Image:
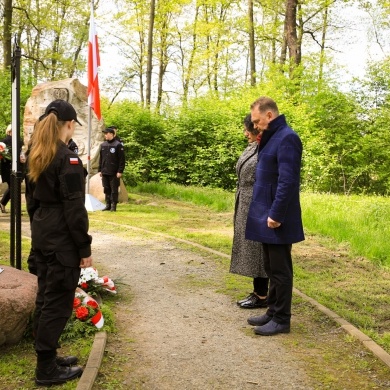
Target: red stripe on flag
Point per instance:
(93, 63)
(98, 319)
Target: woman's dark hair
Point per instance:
(249, 125)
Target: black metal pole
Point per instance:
(16, 173)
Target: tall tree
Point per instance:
(290, 33)
(252, 47)
(52, 36)
(7, 31)
(150, 52)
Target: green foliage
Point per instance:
(199, 143)
(5, 100)
(141, 132)
(75, 328)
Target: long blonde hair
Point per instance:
(43, 145)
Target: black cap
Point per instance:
(109, 130)
(62, 109)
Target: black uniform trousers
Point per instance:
(278, 266)
(7, 195)
(56, 291)
(111, 187)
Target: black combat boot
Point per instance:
(114, 201)
(108, 204)
(48, 372)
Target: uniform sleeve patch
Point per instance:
(73, 160)
(73, 185)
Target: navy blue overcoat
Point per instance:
(276, 187)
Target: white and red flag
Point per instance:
(93, 63)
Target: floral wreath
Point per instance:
(90, 282)
(85, 307)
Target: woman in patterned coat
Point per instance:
(247, 256)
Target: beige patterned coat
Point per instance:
(247, 256)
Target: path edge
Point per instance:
(95, 359)
(367, 341)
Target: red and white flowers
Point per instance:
(5, 151)
(91, 283)
(86, 309)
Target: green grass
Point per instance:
(5, 249)
(216, 199)
(17, 363)
(361, 222)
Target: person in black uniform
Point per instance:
(111, 167)
(6, 165)
(59, 234)
(73, 146)
(116, 133)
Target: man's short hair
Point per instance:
(265, 103)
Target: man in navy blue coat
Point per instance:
(274, 216)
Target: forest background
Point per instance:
(187, 71)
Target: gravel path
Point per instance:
(185, 335)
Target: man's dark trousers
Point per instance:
(111, 187)
(278, 266)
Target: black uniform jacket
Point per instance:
(112, 158)
(60, 223)
(6, 164)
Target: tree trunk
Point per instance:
(323, 40)
(188, 74)
(252, 57)
(150, 52)
(7, 26)
(163, 61)
(290, 31)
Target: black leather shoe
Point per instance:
(254, 302)
(259, 320)
(56, 375)
(107, 208)
(271, 328)
(245, 299)
(2, 207)
(66, 360)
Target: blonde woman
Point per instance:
(59, 232)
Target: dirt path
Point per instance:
(181, 333)
(175, 331)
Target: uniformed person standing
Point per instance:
(73, 146)
(111, 167)
(59, 233)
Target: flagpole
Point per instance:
(91, 203)
(89, 147)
